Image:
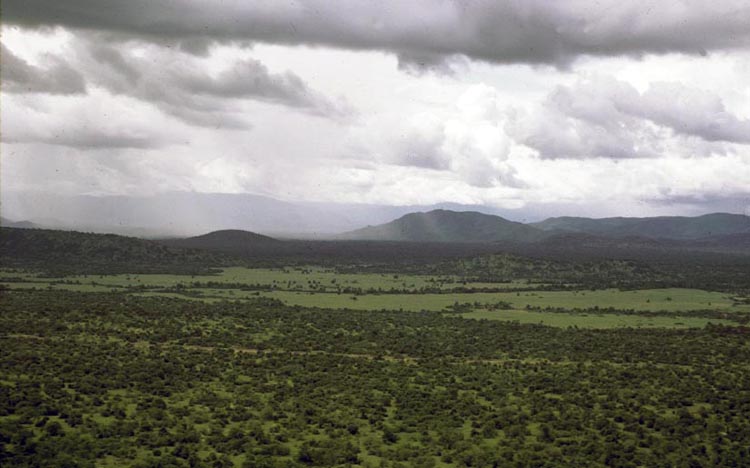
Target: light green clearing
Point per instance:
(672, 300)
(306, 278)
(438, 302)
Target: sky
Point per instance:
(606, 108)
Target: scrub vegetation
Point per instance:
(490, 359)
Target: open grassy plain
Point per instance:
(521, 299)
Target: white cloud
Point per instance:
(603, 117)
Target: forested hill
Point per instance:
(98, 253)
(663, 227)
(229, 240)
(448, 226)
(711, 230)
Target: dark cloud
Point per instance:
(88, 138)
(531, 31)
(420, 63)
(603, 117)
(709, 201)
(97, 140)
(18, 76)
(111, 57)
(178, 84)
(250, 79)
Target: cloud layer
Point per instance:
(183, 87)
(422, 33)
(20, 77)
(604, 117)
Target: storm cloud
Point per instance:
(418, 32)
(177, 83)
(18, 76)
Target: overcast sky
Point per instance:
(608, 107)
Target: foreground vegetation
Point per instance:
(111, 380)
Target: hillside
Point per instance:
(228, 240)
(448, 226)
(71, 251)
(662, 227)
(4, 222)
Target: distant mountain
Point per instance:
(662, 227)
(228, 240)
(448, 226)
(4, 222)
(181, 214)
(188, 214)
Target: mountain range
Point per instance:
(451, 226)
(180, 214)
(447, 226)
(234, 220)
(423, 236)
(662, 227)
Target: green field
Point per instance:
(309, 278)
(642, 300)
(326, 289)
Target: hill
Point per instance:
(71, 251)
(448, 226)
(662, 227)
(5, 222)
(228, 240)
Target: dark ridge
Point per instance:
(663, 227)
(448, 226)
(72, 251)
(228, 240)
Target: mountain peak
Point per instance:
(442, 225)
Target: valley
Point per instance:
(238, 350)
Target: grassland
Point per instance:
(325, 288)
(310, 278)
(672, 300)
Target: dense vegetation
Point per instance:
(63, 252)
(230, 240)
(109, 379)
